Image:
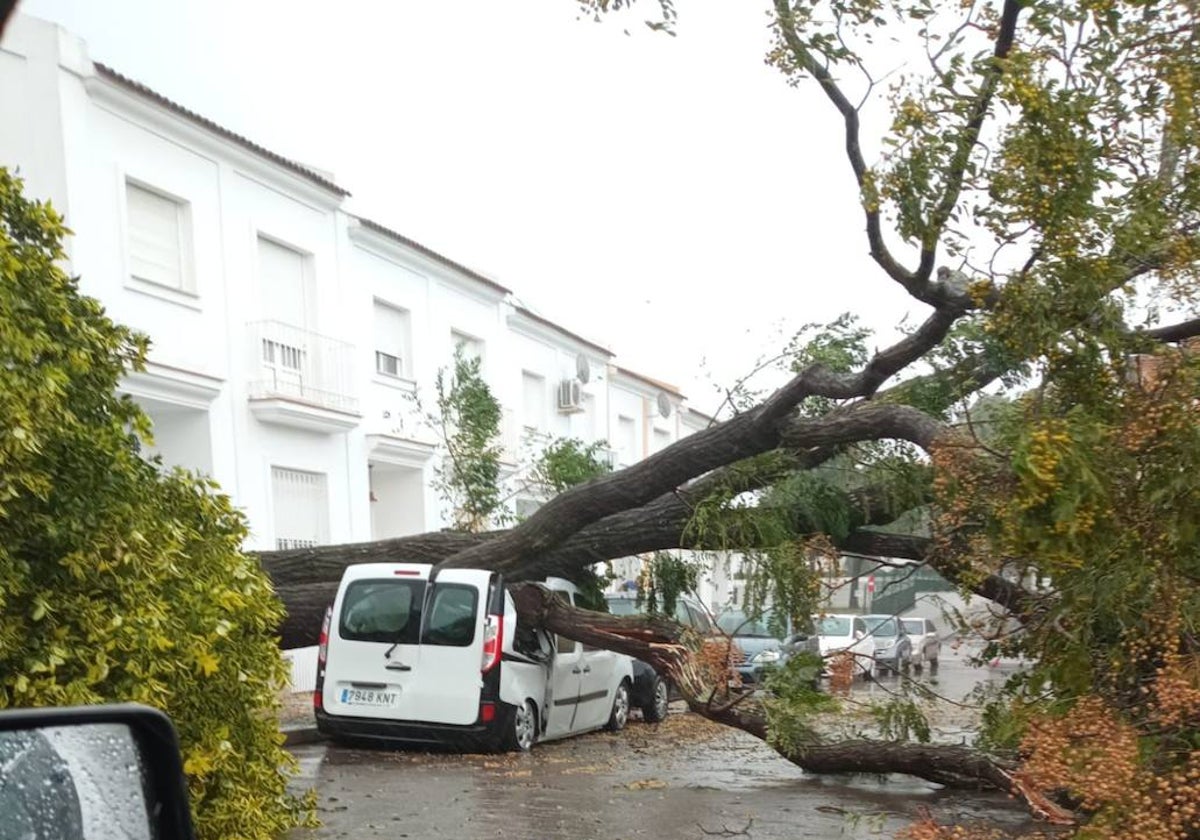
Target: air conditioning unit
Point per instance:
(570, 396)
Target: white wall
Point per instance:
(78, 138)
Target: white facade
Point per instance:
(289, 337)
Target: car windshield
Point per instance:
(832, 625)
(623, 606)
(737, 623)
(882, 626)
(912, 626)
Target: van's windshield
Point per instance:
(389, 611)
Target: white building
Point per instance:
(289, 336)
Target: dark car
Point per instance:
(652, 692)
(764, 643)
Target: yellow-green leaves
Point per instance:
(119, 580)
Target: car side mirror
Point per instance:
(90, 771)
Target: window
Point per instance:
(883, 627)
(301, 508)
(526, 508)
(156, 238)
(662, 439)
(451, 616)
(533, 391)
(382, 611)
(692, 617)
(472, 348)
(833, 625)
(627, 439)
(392, 331)
(564, 644)
(283, 284)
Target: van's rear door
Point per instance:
(403, 649)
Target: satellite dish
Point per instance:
(583, 370)
(664, 405)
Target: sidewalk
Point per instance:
(296, 720)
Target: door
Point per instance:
(402, 649)
(596, 687)
(566, 677)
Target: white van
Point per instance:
(403, 659)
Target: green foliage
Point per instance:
(900, 719)
(793, 700)
(120, 581)
(596, 9)
(667, 576)
(567, 462)
(468, 419)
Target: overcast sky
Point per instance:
(671, 198)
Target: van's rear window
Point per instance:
(451, 615)
(382, 611)
(390, 611)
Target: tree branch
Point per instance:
(965, 143)
(879, 250)
(1174, 332)
(751, 433)
(665, 645)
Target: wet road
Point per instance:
(683, 778)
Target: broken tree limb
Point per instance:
(665, 645)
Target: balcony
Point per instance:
(299, 378)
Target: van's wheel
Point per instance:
(522, 732)
(660, 698)
(620, 708)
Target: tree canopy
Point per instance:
(1037, 189)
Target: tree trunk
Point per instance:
(664, 644)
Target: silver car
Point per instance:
(893, 648)
(927, 644)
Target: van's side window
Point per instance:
(577, 600)
(564, 644)
(382, 611)
(451, 615)
(700, 621)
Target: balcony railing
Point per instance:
(296, 364)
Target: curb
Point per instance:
(303, 734)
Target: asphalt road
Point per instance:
(684, 778)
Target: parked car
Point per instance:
(838, 633)
(893, 648)
(763, 643)
(652, 692)
(927, 644)
(406, 657)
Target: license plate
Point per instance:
(369, 697)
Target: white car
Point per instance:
(927, 644)
(406, 657)
(837, 633)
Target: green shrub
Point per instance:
(120, 581)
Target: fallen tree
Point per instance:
(1049, 159)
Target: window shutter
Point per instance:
(154, 240)
(301, 508)
(391, 339)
